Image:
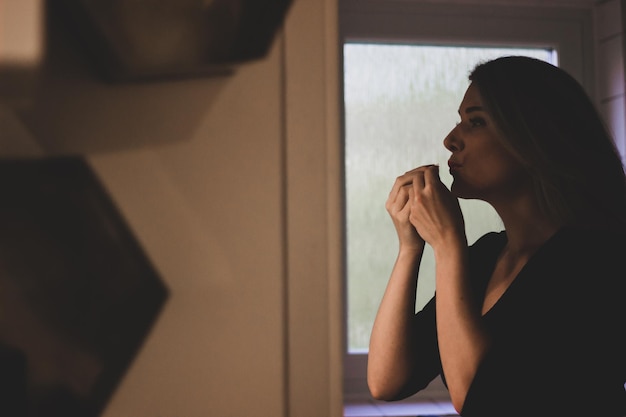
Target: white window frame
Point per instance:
(568, 30)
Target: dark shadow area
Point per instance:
(70, 109)
(148, 40)
(77, 294)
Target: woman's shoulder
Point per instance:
(588, 240)
(489, 241)
(598, 256)
(573, 246)
(484, 252)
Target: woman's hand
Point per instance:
(399, 208)
(434, 212)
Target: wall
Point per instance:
(231, 184)
(242, 219)
(208, 211)
(609, 40)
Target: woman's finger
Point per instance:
(398, 198)
(419, 169)
(418, 180)
(397, 185)
(399, 194)
(431, 175)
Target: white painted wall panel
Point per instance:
(610, 68)
(608, 19)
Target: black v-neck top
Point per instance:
(558, 332)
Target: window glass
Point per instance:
(400, 102)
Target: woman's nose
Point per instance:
(452, 142)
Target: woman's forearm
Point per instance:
(462, 338)
(390, 356)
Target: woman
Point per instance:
(530, 320)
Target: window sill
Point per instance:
(406, 408)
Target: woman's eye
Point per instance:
(477, 121)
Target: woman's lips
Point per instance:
(454, 166)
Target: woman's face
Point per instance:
(480, 165)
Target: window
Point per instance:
(400, 102)
(405, 72)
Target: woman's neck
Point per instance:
(527, 226)
(524, 240)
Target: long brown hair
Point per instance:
(550, 124)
